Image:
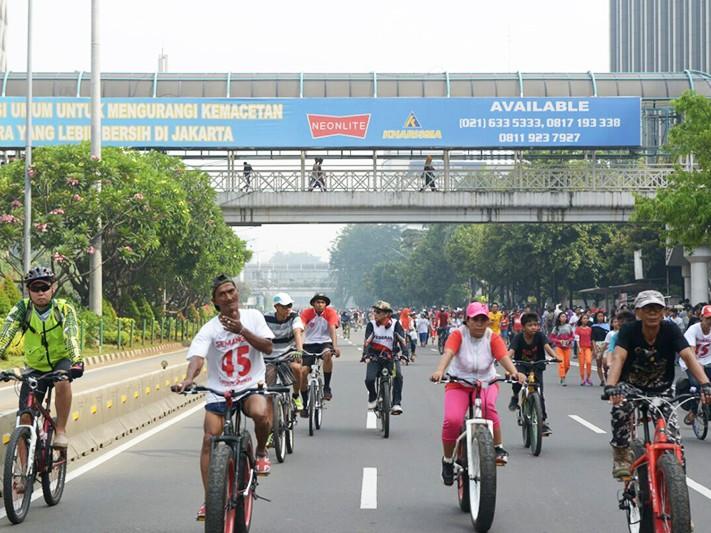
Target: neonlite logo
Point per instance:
(331, 125)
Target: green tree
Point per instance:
(683, 208)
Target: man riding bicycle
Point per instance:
(320, 323)
(232, 343)
(643, 363)
(287, 344)
(531, 345)
(442, 324)
(51, 333)
(381, 337)
(699, 338)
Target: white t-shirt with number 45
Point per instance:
(232, 363)
(700, 343)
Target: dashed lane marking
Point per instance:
(370, 420)
(698, 487)
(590, 426)
(369, 489)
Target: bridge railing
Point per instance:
(582, 177)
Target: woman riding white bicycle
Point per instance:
(472, 349)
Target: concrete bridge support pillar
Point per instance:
(686, 274)
(699, 259)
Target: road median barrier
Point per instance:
(102, 416)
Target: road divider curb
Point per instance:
(129, 354)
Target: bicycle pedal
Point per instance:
(258, 497)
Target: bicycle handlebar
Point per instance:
(447, 378)
(235, 395)
(320, 355)
(53, 376)
(635, 397)
(534, 364)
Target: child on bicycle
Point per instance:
(382, 337)
(531, 345)
(644, 363)
(472, 349)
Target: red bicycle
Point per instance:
(30, 453)
(656, 498)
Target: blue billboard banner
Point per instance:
(224, 123)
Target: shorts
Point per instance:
(308, 360)
(220, 408)
(43, 386)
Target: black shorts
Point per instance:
(219, 407)
(308, 360)
(43, 386)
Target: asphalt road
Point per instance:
(154, 485)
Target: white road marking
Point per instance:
(369, 490)
(370, 420)
(120, 449)
(698, 487)
(591, 427)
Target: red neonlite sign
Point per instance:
(331, 125)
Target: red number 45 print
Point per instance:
(228, 362)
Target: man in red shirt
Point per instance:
(320, 323)
(442, 322)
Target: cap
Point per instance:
(220, 280)
(706, 311)
(648, 298)
(382, 305)
(477, 309)
(320, 296)
(282, 298)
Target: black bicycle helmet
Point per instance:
(39, 273)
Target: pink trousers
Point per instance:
(456, 403)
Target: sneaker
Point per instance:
(513, 404)
(447, 472)
(502, 456)
(263, 465)
(298, 403)
(396, 410)
(304, 413)
(621, 463)
(371, 405)
(583, 382)
(689, 418)
(60, 441)
(546, 430)
(201, 514)
(563, 383)
(18, 486)
(327, 394)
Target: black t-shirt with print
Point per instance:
(650, 367)
(529, 352)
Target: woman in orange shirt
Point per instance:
(584, 335)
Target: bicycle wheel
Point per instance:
(535, 423)
(638, 506)
(17, 477)
(312, 409)
(384, 406)
(524, 422)
(462, 476)
(246, 484)
(482, 479)
(675, 513)
(318, 408)
(278, 428)
(54, 472)
(290, 417)
(701, 422)
(219, 514)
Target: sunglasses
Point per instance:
(40, 288)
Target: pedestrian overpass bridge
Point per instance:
(587, 192)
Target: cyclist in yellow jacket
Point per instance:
(50, 330)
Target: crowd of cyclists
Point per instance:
(635, 350)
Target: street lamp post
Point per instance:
(95, 260)
(27, 243)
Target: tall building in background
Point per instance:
(660, 35)
(3, 35)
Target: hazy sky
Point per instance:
(314, 36)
